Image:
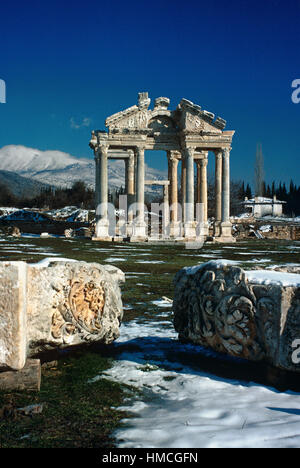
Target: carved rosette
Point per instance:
(81, 312)
(86, 307)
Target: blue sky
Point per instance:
(69, 65)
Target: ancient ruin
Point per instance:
(247, 314)
(187, 134)
(55, 305)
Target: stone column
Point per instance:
(218, 185)
(202, 193)
(225, 223)
(173, 177)
(169, 175)
(189, 224)
(203, 186)
(97, 183)
(218, 192)
(183, 185)
(126, 175)
(198, 183)
(139, 224)
(130, 190)
(102, 222)
(166, 211)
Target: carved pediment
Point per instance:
(188, 117)
(135, 117)
(194, 119)
(132, 118)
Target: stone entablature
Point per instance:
(187, 134)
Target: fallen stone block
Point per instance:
(70, 303)
(248, 314)
(56, 304)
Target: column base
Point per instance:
(102, 230)
(217, 229)
(226, 229)
(202, 230)
(190, 230)
(225, 233)
(138, 239)
(175, 229)
(224, 239)
(129, 229)
(139, 233)
(121, 229)
(102, 239)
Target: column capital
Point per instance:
(218, 152)
(203, 162)
(140, 148)
(101, 151)
(189, 151)
(226, 151)
(173, 155)
(93, 141)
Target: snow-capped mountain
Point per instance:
(61, 169)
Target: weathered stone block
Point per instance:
(56, 304)
(12, 315)
(253, 315)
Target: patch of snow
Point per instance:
(194, 269)
(273, 277)
(265, 228)
(163, 303)
(115, 259)
(180, 406)
(46, 261)
(242, 216)
(150, 261)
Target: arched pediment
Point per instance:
(162, 124)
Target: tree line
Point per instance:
(84, 197)
(51, 197)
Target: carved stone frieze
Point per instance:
(56, 304)
(217, 306)
(72, 303)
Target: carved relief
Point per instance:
(236, 327)
(217, 307)
(86, 303)
(194, 123)
(80, 312)
(137, 120)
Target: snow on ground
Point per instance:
(265, 228)
(70, 214)
(4, 211)
(115, 259)
(46, 261)
(182, 407)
